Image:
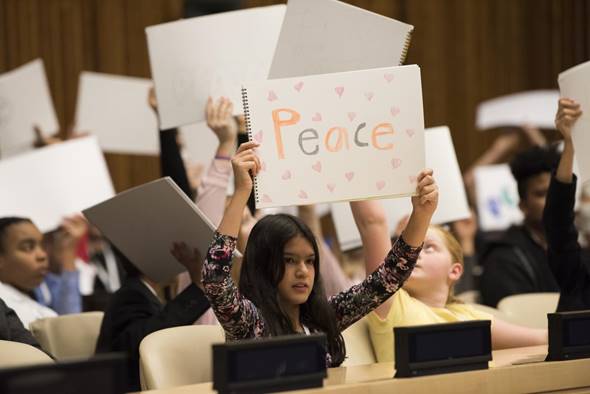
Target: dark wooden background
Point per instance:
(468, 50)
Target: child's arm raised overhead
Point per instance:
(399, 259)
(563, 248)
(238, 316)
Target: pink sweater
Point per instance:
(211, 197)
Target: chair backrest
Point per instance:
(494, 312)
(68, 336)
(359, 349)
(178, 356)
(16, 354)
(469, 297)
(529, 309)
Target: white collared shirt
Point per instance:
(26, 308)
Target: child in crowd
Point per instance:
(568, 262)
(24, 265)
(427, 295)
(137, 309)
(280, 289)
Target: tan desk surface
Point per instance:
(503, 377)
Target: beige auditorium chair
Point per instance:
(494, 312)
(359, 349)
(529, 309)
(68, 336)
(16, 354)
(469, 297)
(178, 356)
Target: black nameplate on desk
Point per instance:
(289, 362)
(569, 335)
(102, 374)
(442, 348)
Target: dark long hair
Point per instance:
(263, 268)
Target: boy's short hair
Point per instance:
(6, 222)
(530, 163)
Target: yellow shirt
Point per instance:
(408, 311)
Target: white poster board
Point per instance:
(25, 101)
(575, 84)
(337, 137)
(211, 55)
(115, 108)
(346, 230)
(441, 157)
(52, 182)
(536, 108)
(497, 197)
(145, 221)
(452, 203)
(327, 36)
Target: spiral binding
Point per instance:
(406, 47)
(248, 125)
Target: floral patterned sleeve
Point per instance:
(354, 303)
(238, 316)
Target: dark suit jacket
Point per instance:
(515, 264)
(12, 329)
(135, 312)
(569, 263)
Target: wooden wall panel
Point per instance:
(76, 35)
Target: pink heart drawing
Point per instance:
(317, 166)
(286, 175)
(266, 198)
(388, 77)
(339, 90)
(298, 86)
(395, 163)
(380, 185)
(369, 95)
(349, 176)
(351, 116)
(258, 136)
(331, 187)
(410, 132)
(272, 96)
(302, 194)
(412, 178)
(394, 111)
(317, 117)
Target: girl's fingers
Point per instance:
(258, 163)
(209, 109)
(425, 181)
(427, 190)
(226, 108)
(247, 145)
(425, 172)
(430, 197)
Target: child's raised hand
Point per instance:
(246, 165)
(191, 259)
(567, 114)
(221, 121)
(426, 200)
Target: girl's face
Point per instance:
(435, 266)
(297, 282)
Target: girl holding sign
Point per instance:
(280, 290)
(427, 295)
